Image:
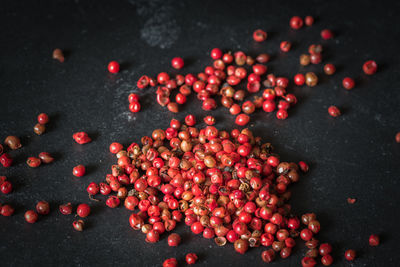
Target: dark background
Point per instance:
(354, 155)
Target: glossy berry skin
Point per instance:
(326, 34)
(296, 22)
(348, 83)
(133, 97)
(174, 240)
(43, 118)
(325, 249)
(306, 234)
(216, 53)
(373, 240)
(6, 210)
(112, 202)
(163, 78)
(152, 236)
(241, 246)
(79, 171)
(370, 67)
(113, 67)
(6, 160)
(327, 260)
(172, 262)
(350, 254)
(334, 111)
(33, 162)
(282, 114)
(177, 63)
(191, 258)
(66, 209)
(285, 46)
(93, 189)
(81, 138)
(329, 69)
(299, 79)
(197, 228)
(180, 98)
(6, 187)
(83, 210)
(43, 207)
(115, 147)
(242, 119)
(31, 216)
(259, 35)
(134, 106)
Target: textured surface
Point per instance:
(351, 156)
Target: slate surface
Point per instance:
(351, 156)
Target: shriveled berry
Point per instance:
(39, 129)
(78, 225)
(81, 138)
(46, 157)
(373, 240)
(33, 162)
(43, 207)
(370, 67)
(66, 209)
(259, 35)
(12, 142)
(191, 258)
(174, 240)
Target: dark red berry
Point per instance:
(31, 216)
(373, 240)
(66, 209)
(6, 210)
(350, 254)
(370, 67)
(296, 22)
(33, 162)
(6, 187)
(43, 207)
(174, 240)
(326, 34)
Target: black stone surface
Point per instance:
(354, 155)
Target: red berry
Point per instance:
(133, 97)
(327, 260)
(43, 207)
(242, 119)
(325, 249)
(6, 210)
(296, 22)
(326, 34)
(306, 234)
(197, 228)
(79, 171)
(350, 254)
(113, 67)
(143, 82)
(162, 78)
(334, 111)
(191, 258)
(134, 106)
(31, 216)
(33, 162)
(259, 35)
(43, 118)
(348, 83)
(113, 202)
(370, 67)
(303, 166)
(309, 20)
(81, 138)
(329, 69)
(216, 53)
(93, 189)
(177, 63)
(115, 147)
(373, 240)
(282, 114)
(190, 120)
(285, 46)
(152, 236)
(6, 187)
(66, 209)
(180, 98)
(174, 240)
(299, 79)
(83, 210)
(172, 262)
(308, 262)
(268, 106)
